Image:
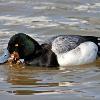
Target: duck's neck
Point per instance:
(36, 53)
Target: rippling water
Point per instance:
(42, 19)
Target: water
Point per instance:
(42, 19)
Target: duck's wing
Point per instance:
(65, 43)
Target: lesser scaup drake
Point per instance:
(61, 51)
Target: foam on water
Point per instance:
(40, 21)
(88, 7)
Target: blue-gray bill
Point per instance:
(4, 56)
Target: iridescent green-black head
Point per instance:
(23, 44)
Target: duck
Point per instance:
(61, 50)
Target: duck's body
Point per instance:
(61, 51)
(65, 43)
(75, 49)
(84, 53)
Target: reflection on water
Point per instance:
(41, 20)
(26, 80)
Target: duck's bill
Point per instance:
(4, 56)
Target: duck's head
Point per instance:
(20, 46)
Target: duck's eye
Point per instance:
(16, 45)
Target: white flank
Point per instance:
(85, 53)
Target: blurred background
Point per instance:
(44, 18)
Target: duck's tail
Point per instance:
(98, 42)
(98, 39)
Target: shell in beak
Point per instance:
(14, 57)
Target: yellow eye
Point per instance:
(16, 45)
